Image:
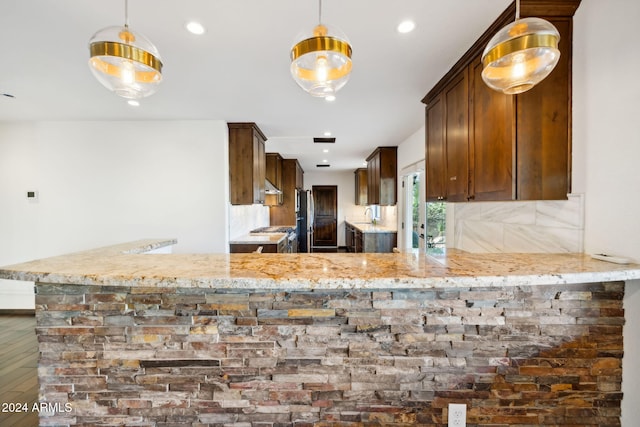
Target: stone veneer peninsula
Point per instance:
(127, 338)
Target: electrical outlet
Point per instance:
(457, 415)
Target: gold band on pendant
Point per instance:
(316, 44)
(529, 41)
(125, 51)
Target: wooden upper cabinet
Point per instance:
(247, 164)
(299, 176)
(361, 186)
(496, 146)
(382, 180)
(456, 98)
(274, 175)
(492, 140)
(435, 151)
(292, 179)
(543, 156)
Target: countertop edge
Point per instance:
(127, 265)
(370, 228)
(326, 284)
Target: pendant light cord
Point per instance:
(320, 11)
(517, 9)
(126, 13)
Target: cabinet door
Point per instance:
(492, 127)
(299, 176)
(388, 184)
(358, 241)
(373, 180)
(274, 174)
(457, 138)
(435, 151)
(348, 237)
(361, 187)
(246, 164)
(259, 169)
(544, 129)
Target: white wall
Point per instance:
(101, 183)
(606, 153)
(345, 181)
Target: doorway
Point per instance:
(325, 224)
(413, 211)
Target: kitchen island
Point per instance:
(133, 338)
(365, 236)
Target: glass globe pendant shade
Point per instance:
(125, 62)
(321, 64)
(520, 55)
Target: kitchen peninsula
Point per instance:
(135, 338)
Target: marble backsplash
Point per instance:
(244, 218)
(532, 227)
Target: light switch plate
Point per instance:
(457, 415)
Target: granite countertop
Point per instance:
(127, 265)
(259, 238)
(367, 227)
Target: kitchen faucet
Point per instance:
(370, 211)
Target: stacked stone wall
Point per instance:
(516, 355)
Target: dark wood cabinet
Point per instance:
(349, 237)
(274, 175)
(456, 119)
(382, 180)
(247, 164)
(299, 176)
(292, 177)
(361, 186)
(358, 241)
(484, 145)
(492, 142)
(543, 155)
(435, 152)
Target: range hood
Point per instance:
(269, 188)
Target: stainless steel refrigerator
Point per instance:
(304, 220)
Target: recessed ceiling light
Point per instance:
(195, 28)
(406, 26)
(326, 150)
(330, 98)
(327, 133)
(324, 160)
(133, 103)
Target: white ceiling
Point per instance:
(239, 69)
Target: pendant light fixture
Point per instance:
(321, 62)
(124, 61)
(520, 55)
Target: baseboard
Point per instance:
(17, 312)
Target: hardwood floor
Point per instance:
(18, 370)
